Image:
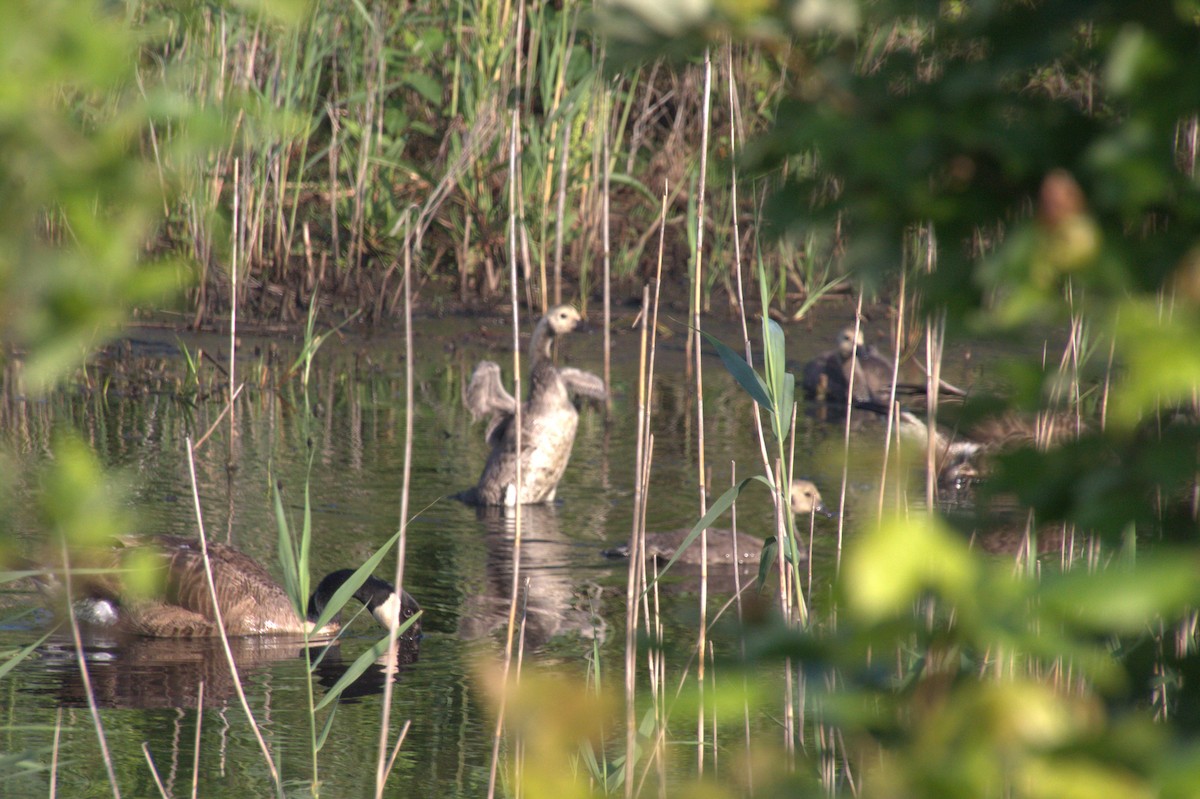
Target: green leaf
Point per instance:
(426, 86)
(14, 661)
(766, 561)
(343, 594)
(1125, 597)
(891, 565)
(364, 661)
(746, 377)
(722, 504)
(287, 554)
(326, 727)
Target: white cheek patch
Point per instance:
(387, 612)
(100, 612)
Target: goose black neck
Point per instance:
(371, 593)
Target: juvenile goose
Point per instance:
(251, 603)
(548, 419)
(804, 499)
(827, 377)
(963, 460)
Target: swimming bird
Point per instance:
(250, 601)
(548, 419)
(963, 460)
(827, 377)
(804, 500)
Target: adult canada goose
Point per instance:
(804, 499)
(250, 601)
(548, 419)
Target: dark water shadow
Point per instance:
(153, 673)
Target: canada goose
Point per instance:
(963, 460)
(804, 499)
(548, 419)
(827, 377)
(250, 602)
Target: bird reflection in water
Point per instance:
(553, 601)
(149, 673)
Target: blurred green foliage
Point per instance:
(82, 191)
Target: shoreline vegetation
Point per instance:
(352, 132)
(979, 169)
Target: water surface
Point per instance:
(142, 406)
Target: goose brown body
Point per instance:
(548, 419)
(855, 366)
(249, 600)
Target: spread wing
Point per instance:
(583, 384)
(486, 393)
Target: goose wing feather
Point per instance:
(486, 393)
(583, 384)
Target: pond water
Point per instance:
(143, 406)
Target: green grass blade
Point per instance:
(14, 661)
(287, 554)
(363, 662)
(343, 594)
(746, 377)
(721, 505)
(326, 727)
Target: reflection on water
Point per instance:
(553, 601)
(459, 561)
(137, 672)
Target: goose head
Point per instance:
(848, 340)
(562, 319)
(390, 609)
(805, 499)
(558, 321)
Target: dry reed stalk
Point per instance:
(636, 580)
(196, 748)
(369, 112)
(697, 281)
(846, 437)
(212, 593)
(158, 783)
(54, 753)
(233, 293)
(560, 212)
(605, 201)
(891, 415)
(77, 640)
(737, 261)
(227, 409)
(517, 420)
(396, 749)
(382, 766)
(935, 337)
(636, 549)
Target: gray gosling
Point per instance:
(804, 499)
(548, 419)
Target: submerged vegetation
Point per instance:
(1020, 171)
